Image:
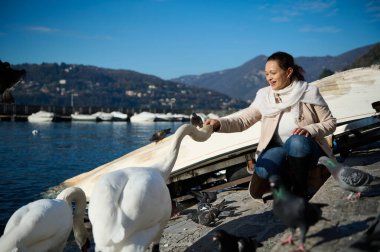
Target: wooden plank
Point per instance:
(229, 184)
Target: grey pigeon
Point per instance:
(159, 135)
(370, 241)
(204, 197)
(209, 216)
(208, 213)
(232, 243)
(202, 206)
(196, 120)
(294, 211)
(350, 179)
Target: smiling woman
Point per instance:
(281, 71)
(295, 120)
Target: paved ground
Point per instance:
(347, 219)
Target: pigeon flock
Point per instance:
(296, 212)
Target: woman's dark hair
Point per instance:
(285, 61)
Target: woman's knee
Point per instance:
(270, 165)
(261, 172)
(299, 146)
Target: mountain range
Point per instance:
(243, 81)
(80, 85)
(84, 86)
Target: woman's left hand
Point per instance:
(301, 131)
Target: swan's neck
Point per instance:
(198, 135)
(77, 196)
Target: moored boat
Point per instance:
(83, 117)
(41, 116)
(118, 116)
(143, 117)
(103, 116)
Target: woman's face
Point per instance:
(276, 77)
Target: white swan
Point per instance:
(129, 208)
(45, 224)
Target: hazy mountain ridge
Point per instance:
(59, 84)
(243, 82)
(372, 57)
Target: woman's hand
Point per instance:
(214, 123)
(301, 131)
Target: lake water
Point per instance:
(30, 164)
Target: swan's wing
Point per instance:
(104, 212)
(128, 201)
(146, 200)
(40, 225)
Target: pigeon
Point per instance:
(196, 120)
(159, 135)
(204, 197)
(232, 243)
(207, 217)
(370, 241)
(206, 213)
(294, 211)
(350, 179)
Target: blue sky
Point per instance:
(170, 38)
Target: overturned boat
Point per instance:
(351, 96)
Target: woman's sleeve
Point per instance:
(326, 124)
(240, 120)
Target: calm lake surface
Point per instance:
(30, 163)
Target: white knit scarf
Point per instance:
(290, 97)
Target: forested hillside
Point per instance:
(60, 84)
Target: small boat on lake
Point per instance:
(41, 117)
(143, 117)
(146, 117)
(118, 116)
(103, 116)
(83, 117)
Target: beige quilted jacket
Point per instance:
(317, 120)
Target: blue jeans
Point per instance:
(273, 159)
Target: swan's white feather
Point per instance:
(42, 225)
(137, 201)
(129, 208)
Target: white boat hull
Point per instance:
(83, 117)
(103, 116)
(41, 117)
(118, 116)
